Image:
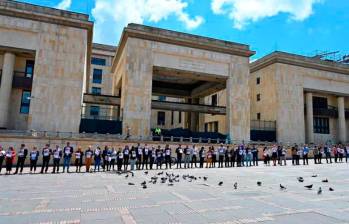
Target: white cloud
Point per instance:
(111, 16)
(243, 12)
(64, 4)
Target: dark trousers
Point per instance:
(214, 160)
(294, 158)
(226, 162)
(158, 163)
(220, 161)
(255, 159)
(119, 164)
(202, 159)
(112, 164)
(145, 162)
(305, 159)
(238, 163)
(232, 161)
(315, 159)
(168, 161)
(328, 158)
(139, 162)
(55, 165)
(1, 161)
(33, 165)
(179, 162)
(126, 159)
(104, 165)
(319, 158)
(20, 164)
(193, 161)
(45, 162)
(78, 165)
(151, 162)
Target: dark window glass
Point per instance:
(172, 113)
(97, 76)
(25, 102)
(98, 61)
(29, 69)
(161, 118)
(258, 116)
(94, 110)
(319, 102)
(96, 90)
(258, 80)
(206, 127)
(215, 126)
(321, 125)
(162, 98)
(258, 97)
(214, 100)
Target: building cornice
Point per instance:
(180, 39)
(298, 60)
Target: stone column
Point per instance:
(6, 87)
(238, 100)
(309, 117)
(194, 117)
(342, 132)
(201, 117)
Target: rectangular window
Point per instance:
(258, 97)
(97, 76)
(179, 117)
(94, 110)
(29, 69)
(206, 127)
(161, 118)
(98, 61)
(96, 90)
(258, 116)
(321, 125)
(214, 100)
(215, 126)
(172, 113)
(25, 102)
(162, 98)
(258, 80)
(320, 102)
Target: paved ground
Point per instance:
(107, 198)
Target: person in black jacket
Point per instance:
(78, 159)
(67, 154)
(104, 158)
(57, 155)
(255, 155)
(202, 157)
(146, 155)
(233, 157)
(33, 156)
(168, 160)
(2, 157)
(139, 153)
(159, 157)
(46, 155)
(152, 157)
(179, 152)
(21, 156)
(126, 157)
(120, 159)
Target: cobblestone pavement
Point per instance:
(107, 197)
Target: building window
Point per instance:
(162, 98)
(97, 76)
(161, 118)
(258, 116)
(25, 102)
(98, 61)
(214, 100)
(172, 113)
(94, 110)
(29, 69)
(321, 125)
(320, 102)
(258, 80)
(215, 126)
(96, 91)
(206, 127)
(179, 117)
(258, 97)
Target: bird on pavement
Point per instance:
(235, 185)
(300, 179)
(143, 183)
(131, 183)
(205, 178)
(325, 181)
(126, 176)
(330, 189)
(144, 186)
(220, 183)
(314, 175)
(259, 183)
(309, 187)
(282, 187)
(146, 172)
(319, 191)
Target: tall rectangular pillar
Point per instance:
(342, 132)
(309, 117)
(238, 101)
(6, 87)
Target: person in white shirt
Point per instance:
(57, 155)
(88, 158)
(33, 156)
(46, 155)
(194, 154)
(21, 156)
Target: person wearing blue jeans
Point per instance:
(97, 157)
(67, 154)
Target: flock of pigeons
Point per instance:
(171, 178)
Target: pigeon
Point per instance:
(132, 173)
(300, 179)
(143, 183)
(282, 187)
(160, 173)
(309, 187)
(220, 183)
(144, 186)
(126, 176)
(131, 184)
(205, 178)
(259, 183)
(319, 191)
(314, 175)
(325, 181)
(330, 189)
(235, 185)
(170, 184)
(146, 172)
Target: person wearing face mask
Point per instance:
(126, 157)
(146, 156)
(120, 159)
(88, 158)
(133, 158)
(168, 160)
(57, 155)
(194, 152)
(139, 152)
(21, 156)
(97, 158)
(46, 156)
(152, 154)
(179, 152)
(202, 156)
(67, 154)
(78, 159)
(34, 156)
(113, 159)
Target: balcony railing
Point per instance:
(263, 125)
(102, 113)
(21, 81)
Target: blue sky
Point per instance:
(297, 26)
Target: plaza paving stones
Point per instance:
(107, 197)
